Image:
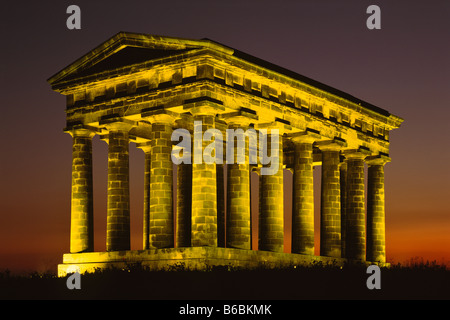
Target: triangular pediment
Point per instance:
(129, 48)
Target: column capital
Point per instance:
(360, 153)
(307, 136)
(159, 115)
(80, 131)
(117, 123)
(163, 118)
(380, 159)
(336, 144)
(241, 118)
(145, 146)
(238, 122)
(205, 108)
(283, 126)
(142, 130)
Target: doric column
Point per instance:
(118, 199)
(184, 204)
(238, 226)
(220, 172)
(220, 177)
(330, 211)
(303, 195)
(343, 183)
(376, 235)
(355, 245)
(271, 215)
(184, 201)
(204, 185)
(146, 147)
(161, 184)
(81, 221)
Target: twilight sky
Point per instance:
(403, 68)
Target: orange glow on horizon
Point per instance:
(422, 238)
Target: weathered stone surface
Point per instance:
(161, 233)
(193, 258)
(355, 210)
(118, 199)
(376, 223)
(81, 222)
(182, 81)
(204, 193)
(146, 214)
(303, 200)
(330, 219)
(271, 213)
(238, 197)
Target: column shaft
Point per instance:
(220, 182)
(146, 218)
(184, 204)
(355, 210)
(81, 224)
(303, 200)
(238, 225)
(161, 228)
(376, 237)
(343, 183)
(204, 190)
(118, 206)
(271, 216)
(330, 213)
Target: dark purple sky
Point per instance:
(403, 68)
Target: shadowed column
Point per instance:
(376, 234)
(355, 208)
(303, 196)
(184, 200)
(220, 182)
(271, 216)
(220, 172)
(81, 221)
(161, 186)
(118, 204)
(330, 210)
(238, 189)
(184, 204)
(146, 217)
(343, 183)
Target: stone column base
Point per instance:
(189, 258)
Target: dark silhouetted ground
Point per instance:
(400, 283)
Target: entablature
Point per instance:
(191, 73)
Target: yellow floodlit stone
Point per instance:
(163, 93)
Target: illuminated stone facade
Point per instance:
(141, 88)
